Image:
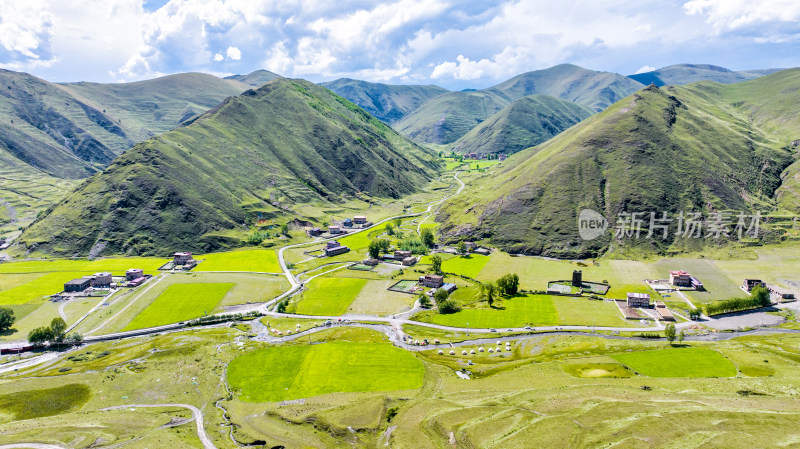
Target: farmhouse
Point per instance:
(101, 280)
(638, 300)
(134, 273)
(663, 312)
(370, 262)
(333, 248)
(680, 278)
(400, 255)
(409, 261)
(78, 285)
(360, 219)
(347, 223)
(333, 229)
(314, 232)
(482, 251)
(749, 284)
(449, 287)
(432, 280)
(183, 259)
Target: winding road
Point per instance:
(198, 418)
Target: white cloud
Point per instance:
(733, 14)
(219, 57)
(645, 69)
(24, 26)
(233, 53)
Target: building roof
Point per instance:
(448, 286)
(79, 281)
(182, 254)
(360, 216)
(679, 273)
(434, 276)
(639, 295)
(105, 273)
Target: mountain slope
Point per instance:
(690, 73)
(255, 79)
(151, 107)
(448, 117)
(386, 102)
(524, 123)
(705, 147)
(256, 155)
(73, 130)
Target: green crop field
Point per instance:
(678, 362)
(329, 295)
(274, 374)
(39, 287)
(116, 265)
(181, 302)
(519, 311)
(469, 266)
(258, 260)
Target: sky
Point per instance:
(452, 43)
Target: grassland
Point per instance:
(45, 402)
(678, 362)
(243, 260)
(291, 372)
(534, 310)
(181, 302)
(116, 265)
(329, 295)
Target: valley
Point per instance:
(331, 265)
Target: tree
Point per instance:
(448, 306)
(694, 314)
(436, 263)
(40, 335)
(398, 222)
(385, 244)
(74, 338)
(285, 229)
(7, 318)
(374, 249)
(441, 295)
(425, 302)
(427, 237)
(490, 290)
(389, 229)
(761, 295)
(508, 284)
(669, 332)
(58, 326)
(681, 336)
(462, 248)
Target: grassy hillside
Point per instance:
(385, 102)
(690, 73)
(448, 117)
(256, 79)
(705, 147)
(151, 107)
(254, 157)
(524, 123)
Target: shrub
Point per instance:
(448, 306)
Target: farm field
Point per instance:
(32, 316)
(38, 288)
(116, 265)
(181, 302)
(292, 372)
(678, 362)
(329, 295)
(533, 310)
(254, 260)
(375, 299)
(127, 304)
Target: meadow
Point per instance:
(291, 372)
(44, 402)
(181, 302)
(116, 265)
(329, 295)
(253, 260)
(678, 362)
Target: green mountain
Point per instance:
(705, 147)
(386, 102)
(448, 117)
(524, 123)
(287, 144)
(255, 79)
(691, 73)
(73, 130)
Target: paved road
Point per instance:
(198, 418)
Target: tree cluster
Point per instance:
(376, 247)
(7, 318)
(54, 333)
(508, 284)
